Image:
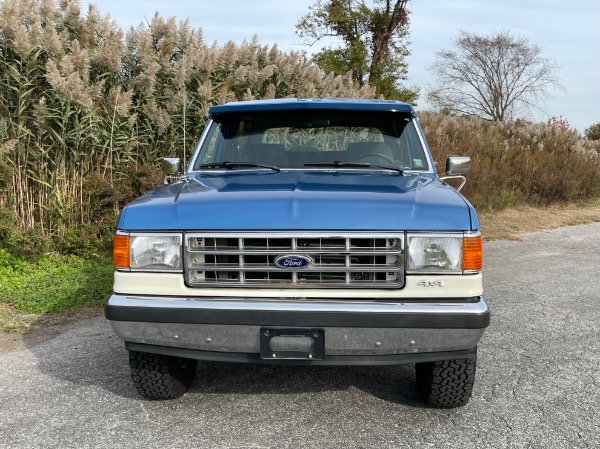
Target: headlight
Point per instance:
(152, 252)
(447, 253)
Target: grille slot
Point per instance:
(349, 260)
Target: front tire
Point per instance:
(447, 383)
(159, 376)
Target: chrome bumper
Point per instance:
(352, 328)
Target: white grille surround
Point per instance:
(339, 260)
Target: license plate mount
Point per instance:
(292, 344)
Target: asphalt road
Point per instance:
(538, 381)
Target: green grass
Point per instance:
(53, 283)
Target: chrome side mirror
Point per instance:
(172, 169)
(458, 165)
(171, 166)
(456, 168)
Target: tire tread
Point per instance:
(160, 377)
(447, 383)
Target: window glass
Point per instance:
(291, 139)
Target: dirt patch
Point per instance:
(13, 321)
(20, 330)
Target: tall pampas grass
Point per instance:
(517, 162)
(83, 101)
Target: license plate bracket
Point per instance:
(292, 344)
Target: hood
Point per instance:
(302, 200)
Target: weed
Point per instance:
(54, 283)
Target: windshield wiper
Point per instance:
(388, 167)
(226, 165)
(337, 164)
(351, 164)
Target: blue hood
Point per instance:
(302, 200)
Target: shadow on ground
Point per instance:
(88, 353)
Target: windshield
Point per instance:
(299, 139)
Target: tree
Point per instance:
(592, 132)
(493, 77)
(374, 45)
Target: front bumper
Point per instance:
(356, 332)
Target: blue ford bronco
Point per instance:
(303, 231)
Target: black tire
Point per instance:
(447, 383)
(159, 376)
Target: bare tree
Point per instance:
(492, 76)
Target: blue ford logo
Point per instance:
(291, 262)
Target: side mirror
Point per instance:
(171, 166)
(456, 168)
(458, 165)
(172, 169)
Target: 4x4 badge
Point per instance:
(431, 284)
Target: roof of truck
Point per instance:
(288, 104)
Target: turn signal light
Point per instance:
(121, 251)
(472, 253)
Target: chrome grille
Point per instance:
(349, 260)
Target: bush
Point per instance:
(27, 243)
(517, 163)
(7, 223)
(87, 241)
(593, 132)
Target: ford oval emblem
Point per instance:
(293, 262)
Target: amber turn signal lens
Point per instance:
(121, 251)
(472, 254)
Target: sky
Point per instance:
(567, 32)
